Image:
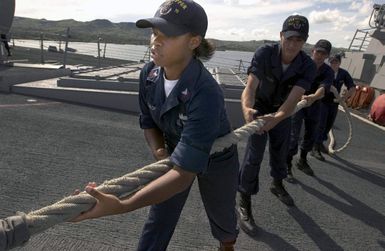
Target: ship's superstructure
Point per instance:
(366, 56)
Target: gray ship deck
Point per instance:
(49, 147)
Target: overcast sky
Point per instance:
(241, 20)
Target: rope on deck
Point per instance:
(349, 119)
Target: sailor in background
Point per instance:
(278, 76)
(329, 104)
(310, 115)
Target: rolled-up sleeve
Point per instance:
(200, 131)
(196, 157)
(13, 232)
(257, 65)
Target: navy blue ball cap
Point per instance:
(296, 25)
(177, 17)
(323, 45)
(335, 57)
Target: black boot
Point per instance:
(304, 167)
(246, 220)
(226, 246)
(316, 153)
(290, 176)
(279, 190)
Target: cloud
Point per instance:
(326, 16)
(250, 9)
(231, 2)
(222, 15)
(335, 17)
(85, 10)
(363, 10)
(241, 34)
(362, 7)
(334, 1)
(355, 5)
(264, 33)
(364, 23)
(348, 38)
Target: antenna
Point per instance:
(377, 18)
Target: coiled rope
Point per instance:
(349, 119)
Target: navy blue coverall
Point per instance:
(191, 118)
(310, 115)
(329, 108)
(273, 89)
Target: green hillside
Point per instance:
(120, 33)
(29, 28)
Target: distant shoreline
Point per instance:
(108, 32)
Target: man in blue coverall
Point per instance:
(329, 105)
(278, 76)
(311, 114)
